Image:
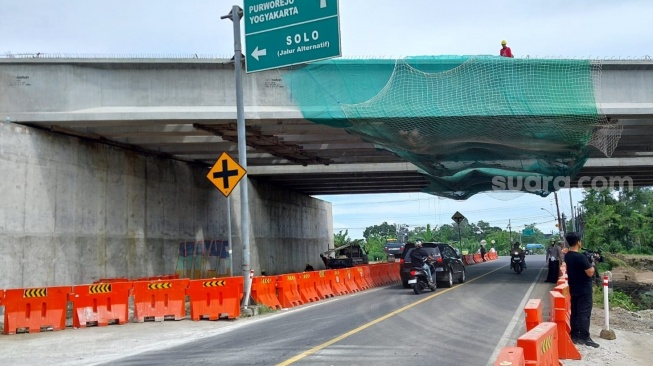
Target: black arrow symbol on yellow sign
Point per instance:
(214, 283)
(99, 289)
(35, 292)
(159, 286)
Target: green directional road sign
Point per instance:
(529, 231)
(281, 33)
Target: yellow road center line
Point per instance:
(373, 322)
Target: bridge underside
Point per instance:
(287, 150)
(321, 160)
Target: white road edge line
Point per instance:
(505, 337)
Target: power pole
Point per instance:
(573, 215)
(510, 231)
(555, 194)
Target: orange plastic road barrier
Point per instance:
(306, 284)
(559, 315)
(215, 298)
(100, 304)
(350, 280)
(367, 275)
(533, 311)
(564, 290)
(287, 290)
(477, 258)
(338, 283)
(359, 278)
(29, 310)
(540, 345)
(510, 356)
(264, 291)
(393, 271)
(375, 275)
(324, 284)
(383, 270)
(160, 300)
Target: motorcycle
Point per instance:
(516, 262)
(420, 279)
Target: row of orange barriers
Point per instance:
(545, 343)
(293, 289)
(470, 259)
(155, 299)
(159, 298)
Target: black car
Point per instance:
(448, 265)
(393, 247)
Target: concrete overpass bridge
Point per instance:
(185, 109)
(107, 160)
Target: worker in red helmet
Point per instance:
(505, 50)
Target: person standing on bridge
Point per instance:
(505, 51)
(579, 272)
(553, 259)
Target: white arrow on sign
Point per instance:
(257, 53)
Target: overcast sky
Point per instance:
(369, 28)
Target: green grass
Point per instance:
(264, 309)
(617, 299)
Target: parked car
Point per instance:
(393, 247)
(346, 256)
(448, 265)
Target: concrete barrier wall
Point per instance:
(73, 211)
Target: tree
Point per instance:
(374, 245)
(618, 221)
(426, 235)
(341, 238)
(384, 230)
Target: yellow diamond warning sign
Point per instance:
(226, 173)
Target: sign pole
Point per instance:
(235, 15)
(460, 240)
(458, 218)
(231, 258)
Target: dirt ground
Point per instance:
(634, 330)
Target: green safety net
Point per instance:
(464, 121)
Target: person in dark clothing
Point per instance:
(579, 273)
(419, 257)
(553, 259)
(308, 268)
(483, 242)
(522, 255)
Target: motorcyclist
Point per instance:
(516, 248)
(419, 258)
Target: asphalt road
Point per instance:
(464, 325)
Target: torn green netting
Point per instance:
(463, 120)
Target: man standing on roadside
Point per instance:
(553, 259)
(482, 249)
(579, 273)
